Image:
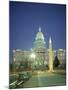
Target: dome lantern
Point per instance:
(39, 35)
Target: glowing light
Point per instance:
(33, 55)
(14, 59)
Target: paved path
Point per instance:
(45, 79)
(51, 80)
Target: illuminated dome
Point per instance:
(39, 35)
(39, 40)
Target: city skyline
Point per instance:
(26, 18)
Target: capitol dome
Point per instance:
(39, 35)
(39, 40)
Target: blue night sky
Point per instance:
(25, 19)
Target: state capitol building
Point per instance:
(38, 57)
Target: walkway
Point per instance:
(44, 79)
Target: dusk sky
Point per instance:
(26, 18)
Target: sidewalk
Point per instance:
(45, 79)
(33, 82)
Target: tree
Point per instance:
(56, 62)
(26, 64)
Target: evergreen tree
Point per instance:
(56, 62)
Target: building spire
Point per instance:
(39, 29)
(50, 55)
(50, 41)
